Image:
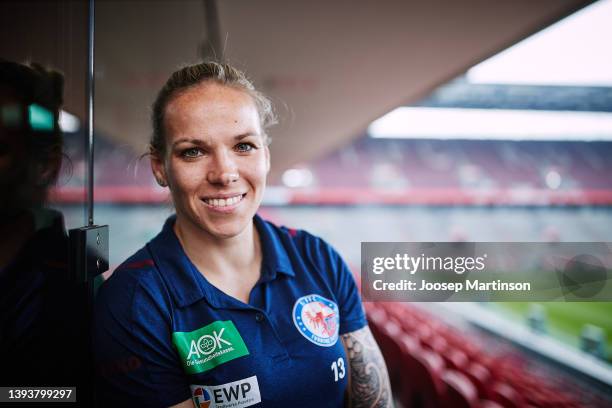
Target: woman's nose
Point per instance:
(223, 170)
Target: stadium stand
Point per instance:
(403, 171)
(437, 370)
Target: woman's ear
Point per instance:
(158, 168)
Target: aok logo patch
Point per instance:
(205, 348)
(237, 394)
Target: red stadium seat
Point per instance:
(396, 310)
(480, 377)
(377, 318)
(506, 396)
(436, 326)
(463, 342)
(424, 333)
(489, 404)
(420, 315)
(456, 359)
(403, 315)
(439, 345)
(387, 334)
(369, 307)
(460, 392)
(389, 344)
(421, 379)
(384, 330)
(409, 346)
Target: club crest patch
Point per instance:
(317, 319)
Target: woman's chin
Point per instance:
(225, 230)
(216, 225)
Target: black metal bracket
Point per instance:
(88, 252)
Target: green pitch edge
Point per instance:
(565, 320)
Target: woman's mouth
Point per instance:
(226, 202)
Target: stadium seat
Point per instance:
(369, 307)
(376, 317)
(463, 342)
(401, 313)
(403, 317)
(387, 334)
(409, 346)
(480, 377)
(389, 344)
(438, 345)
(421, 379)
(424, 333)
(456, 359)
(396, 310)
(489, 404)
(506, 396)
(460, 392)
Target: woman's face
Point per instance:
(216, 161)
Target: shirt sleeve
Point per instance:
(136, 363)
(352, 316)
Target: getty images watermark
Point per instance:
(486, 271)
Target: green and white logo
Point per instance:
(207, 347)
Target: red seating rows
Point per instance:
(433, 365)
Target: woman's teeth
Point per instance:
(223, 202)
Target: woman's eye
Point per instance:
(191, 153)
(244, 147)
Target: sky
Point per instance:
(574, 51)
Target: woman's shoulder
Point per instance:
(137, 267)
(135, 279)
(295, 235)
(302, 243)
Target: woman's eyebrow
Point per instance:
(243, 135)
(198, 142)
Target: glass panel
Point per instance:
(43, 314)
(128, 76)
(54, 34)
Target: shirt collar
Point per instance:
(275, 258)
(185, 282)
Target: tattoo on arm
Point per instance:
(369, 380)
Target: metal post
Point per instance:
(90, 118)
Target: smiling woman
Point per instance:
(216, 161)
(223, 308)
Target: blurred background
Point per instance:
(399, 121)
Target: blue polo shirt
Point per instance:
(163, 333)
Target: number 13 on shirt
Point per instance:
(338, 368)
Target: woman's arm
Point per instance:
(369, 385)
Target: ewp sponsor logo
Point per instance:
(237, 394)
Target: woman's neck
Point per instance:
(222, 258)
